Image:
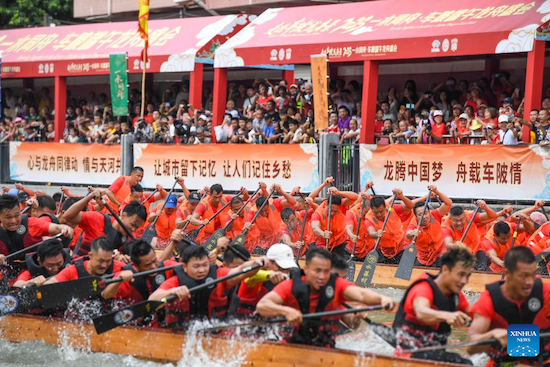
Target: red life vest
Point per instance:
(242, 307)
(82, 247)
(207, 303)
(538, 242)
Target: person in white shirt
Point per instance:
(508, 135)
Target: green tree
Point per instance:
(30, 13)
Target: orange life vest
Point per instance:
(429, 243)
(392, 242)
(208, 213)
(268, 227)
(337, 227)
(365, 243)
(166, 224)
(538, 242)
(295, 234)
(472, 239)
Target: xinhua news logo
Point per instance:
(523, 340)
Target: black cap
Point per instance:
(268, 116)
(194, 197)
(508, 100)
(22, 196)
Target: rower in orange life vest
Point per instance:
(100, 263)
(268, 223)
(432, 305)
(392, 242)
(497, 242)
(96, 224)
(247, 294)
(317, 290)
(48, 260)
(139, 289)
(363, 243)
(186, 209)
(240, 221)
(121, 188)
(521, 298)
(208, 207)
(429, 243)
(19, 231)
(291, 230)
(137, 194)
(457, 222)
(207, 303)
(166, 222)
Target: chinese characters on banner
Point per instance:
(64, 163)
(233, 166)
(119, 83)
(460, 171)
(319, 78)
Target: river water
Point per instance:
(38, 354)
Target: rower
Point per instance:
(50, 258)
(457, 222)
(497, 242)
(230, 259)
(248, 293)
(291, 231)
(19, 231)
(96, 224)
(239, 221)
(166, 222)
(207, 303)
(268, 223)
(429, 240)
(363, 243)
(521, 298)
(100, 262)
(121, 187)
(337, 233)
(139, 289)
(392, 239)
(432, 305)
(316, 291)
(186, 209)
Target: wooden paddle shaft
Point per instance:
(469, 224)
(421, 217)
(358, 227)
(329, 209)
(149, 197)
(242, 208)
(385, 222)
(302, 232)
(165, 201)
(117, 218)
(245, 231)
(30, 248)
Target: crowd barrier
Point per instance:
(461, 171)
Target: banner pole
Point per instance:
(143, 79)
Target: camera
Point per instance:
(386, 132)
(181, 128)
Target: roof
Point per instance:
(174, 45)
(387, 29)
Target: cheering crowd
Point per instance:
(262, 112)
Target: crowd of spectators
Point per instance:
(481, 112)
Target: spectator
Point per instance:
(230, 109)
(250, 101)
(334, 123)
(352, 134)
(268, 129)
(343, 118)
(490, 135)
(387, 114)
(263, 96)
(508, 135)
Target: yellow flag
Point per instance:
(143, 20)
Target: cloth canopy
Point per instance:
(383, 30)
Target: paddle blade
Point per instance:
(350, 272)
(59, 294)
(149, 233)
(239, 240)
(124, 316)
(212, 241)
(364, 278)
(193, 234)
(406, 264)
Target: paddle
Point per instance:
(241, 239)
(30, 248)
(58, 294)
(329, 217)
(195, 232)
(386, 333)
(26, 209)
(350, 273)
(469, 224)
(307, 316)
(463, 345)
(148, 197)
(60, 204)
(141, 309)
(369, 265)
(117, 218)
(212, 241)
(544, 212)
(515, 235)
(302, 233)
(406, 264)
(151, 231)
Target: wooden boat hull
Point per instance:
(167, 346)
(384, 276)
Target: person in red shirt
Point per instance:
(19, 231)
(457, 222)
(166, 222)
(50, 258)
(318, 290)
(392, 238)
(95, 224)
(207, 303)
(432, 305)
(139, 289)
(100, 263)
(521, 298)
(439, 128)
(120, 188)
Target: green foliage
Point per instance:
(30, 13)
